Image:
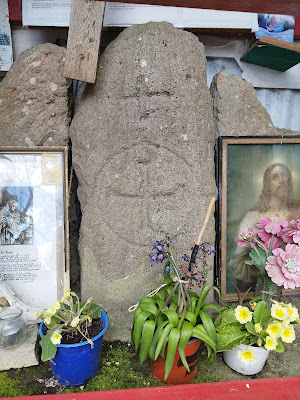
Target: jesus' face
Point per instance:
(279, 182)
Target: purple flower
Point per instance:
(185, 257)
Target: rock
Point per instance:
(24, 355)
(34, 99)
(143, 151)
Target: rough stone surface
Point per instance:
(34, 99)
(143, 150)
(24, 355)
(237, 111)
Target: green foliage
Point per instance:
(258, 258)
(11, 387)
(261, 314)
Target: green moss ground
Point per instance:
(120, 369)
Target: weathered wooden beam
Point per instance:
(85, 27)
(285, 7)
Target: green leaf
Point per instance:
(261, 314)
(172, 317)
(186, 332)
(192, 307)
(147, 336)
(208, 324)
(173, 306)
(94, 311)
(48, 348)
(198, 333)
(189, 316)
(164, 335)
(206, 306)
(250, 328)
(157, 335)
(258, 258)
(279, 348)
(226, 322)
(138, 327)
(228, 341)
(150, 307)
(172, 346)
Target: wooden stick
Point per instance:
(205, 222)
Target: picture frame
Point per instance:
(242, 162)
(34, 255)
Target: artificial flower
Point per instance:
(288, 334)
(56, 337)
(272, 225)
(271, 343)
(247, 356)
(284, 266)
(274, 329)
(243, 314)
(246, 236)
(279, 312)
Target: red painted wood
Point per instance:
(285, 7)
(15, 10)
(255, 389)
(297, 27)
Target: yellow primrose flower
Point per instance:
(56, 337)
(288, 334)
(274, 330)
(56, 306)
(247, 356)
(259, 342)
(293, 312)
(279, 312)
(257, 328)
(253, 305)
(271, 343)
(47, 319)
(36, 313)
(75, 322)
(243, 314)
(66, 296)
(89, 319)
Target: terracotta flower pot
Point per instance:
(235, 363)
(179, 374)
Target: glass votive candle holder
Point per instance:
(12, 327)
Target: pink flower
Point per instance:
(284, 266)
(291, 234)
(270, 227)
(273, 225)
(246, 237)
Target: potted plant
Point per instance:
(172, 317)
(246, 335)
(72, 333)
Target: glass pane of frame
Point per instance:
(249, 193)
(33, 224)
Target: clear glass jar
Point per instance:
(12, 327)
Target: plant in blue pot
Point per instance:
(72, 333)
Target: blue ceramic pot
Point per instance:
(73, 364)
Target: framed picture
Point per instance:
(33, 224)
(247, 194)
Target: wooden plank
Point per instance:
(86, 21)
(258, 389)
(285, 7)
(15, 10)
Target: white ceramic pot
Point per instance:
(235, 363)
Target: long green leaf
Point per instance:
(147, 336)
(186, 332)
(172, 346)
(138, 326)
(208, 325)
(172, 317)
(198, 333)
(48, 348)
(157, 334)
(164, 335)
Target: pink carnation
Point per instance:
(291, 234)
(284, 266)
(246, 237)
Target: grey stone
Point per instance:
(143, 150)
(34, 99)
(24, 355)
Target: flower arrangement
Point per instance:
(172, 314)
(275, 251)
(67, 318)
(256, 326)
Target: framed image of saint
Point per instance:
(34, 260)
(257, 177)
